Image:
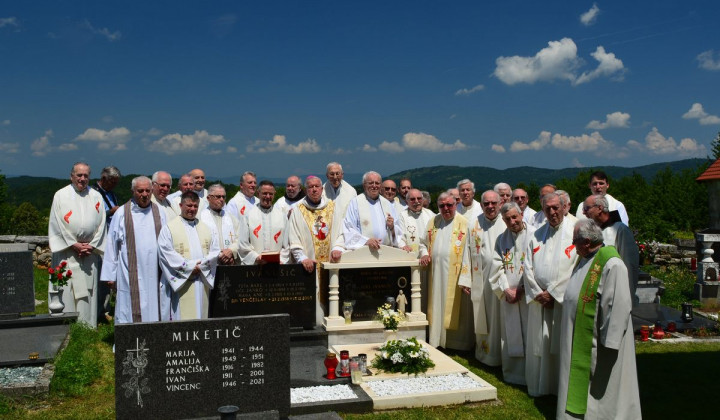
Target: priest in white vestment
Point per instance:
(245, 197)
(130, 264)
(617, 234)
(520, 196)
(225, 226)
(188, 258)
(485, 305)
(539, 217)
(370, 219)
(198, 176)
(469, 208)
(598, 186)
(186, 183)
(76, 233)
(550, 260)
(338, 190)
(598, 374)
(293, 194)
(312, 235)
(161, 184)
(264, 228)
(445, 248)
(413, 222)
(506, 282)
(403, 189)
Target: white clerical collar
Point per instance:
(370, 200)
(192, 222)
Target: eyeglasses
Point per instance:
(217, 196)
(519, 198)
(414, 199)
(162, 185)
(586, 208)
(445, 206)
(487, 203)
(389, 189)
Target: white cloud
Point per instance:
(186, 143)
(615, 120)
(9, 21)
(6, 122)
(467, 92)
(577, 164)
(111, 36)
(391, 147)
(68, 147)
(114, 139)
(658, 144)
(279, 144)
(428, 143)
(589, 17)
(582, 143)
(9, 147)
(558, 61)
(608, 66)
(538, 144)
(498, 148)
(41, 145)
(708, 61)
(697, 112)
(367, 148)
(231, 149)
(452, 117)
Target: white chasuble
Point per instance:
(265, 232)
(446, 243)
(183, 245)
(227, 228)
(413, 225)
(239, 205)
(550, 260)
(166, 208)
(472, 212)
(340, 196)
(486, 306)
(365, 219)
(116, 264)
(78, 217)
(507, 273)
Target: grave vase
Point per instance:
(390, 335)
(56, 304)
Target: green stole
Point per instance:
(581, 355)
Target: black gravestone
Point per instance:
(368, 288)
(17, 284)
(189, 369)
(242, 290)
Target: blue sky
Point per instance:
(280, 87)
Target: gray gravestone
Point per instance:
(188, 369)
(242, 290)
(17, 283)
(369, 287)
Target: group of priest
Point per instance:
(502, 278)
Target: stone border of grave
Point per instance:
(41, 385)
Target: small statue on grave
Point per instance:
(401, 302)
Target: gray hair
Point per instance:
(157, 174)
(482, 197)
(110, 172)
(426, 195)
(548, 196)
(444, 195)
(331, 164)
(502, 186)
(72, 170)
(466, 181)
(510, 205)
(588, 229)
(214, 187)
(563, 194)
(368, 173)
(141, 178)
(310, 178)
(242, 177)
(600, 200)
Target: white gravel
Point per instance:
(422, 385)
(19, 375)
(321, 393)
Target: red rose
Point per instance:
(63, 264)
(69, 273)
(59, 276)
(51, 270)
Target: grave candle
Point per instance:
(331, 363)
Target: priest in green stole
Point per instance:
(598, 376)
(445, 247)
(188, 252)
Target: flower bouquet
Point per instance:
(60, 275)
(403, 356)
(389, 317)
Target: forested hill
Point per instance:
(485, 178)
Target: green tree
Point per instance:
(27, 220)
(715, 145)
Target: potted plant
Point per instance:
(390, 319)
(59, 277)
